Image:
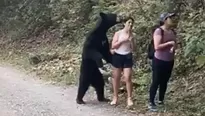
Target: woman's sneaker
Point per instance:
(152, 107)
(160, 103)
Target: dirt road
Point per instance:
(23, 95)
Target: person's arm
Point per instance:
(133, 47)
(158, 45)
(115, 43)
(133, 44)
(175, 46)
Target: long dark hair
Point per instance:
(161, 23)
(128, 18)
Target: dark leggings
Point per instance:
(161, 72)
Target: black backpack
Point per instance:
(151, 49)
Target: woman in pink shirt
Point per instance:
(162, 64)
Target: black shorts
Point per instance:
(122, 61)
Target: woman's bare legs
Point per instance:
(116, 73)
(127, 75)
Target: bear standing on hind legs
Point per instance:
(95, 48)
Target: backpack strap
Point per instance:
(162, 34)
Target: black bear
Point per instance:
(95, 48)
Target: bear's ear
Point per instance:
(102, 14)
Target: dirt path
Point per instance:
(22, 95)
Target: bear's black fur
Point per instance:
(95, 48)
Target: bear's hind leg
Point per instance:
(98, 83)
(83, 87)
(100, 94)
